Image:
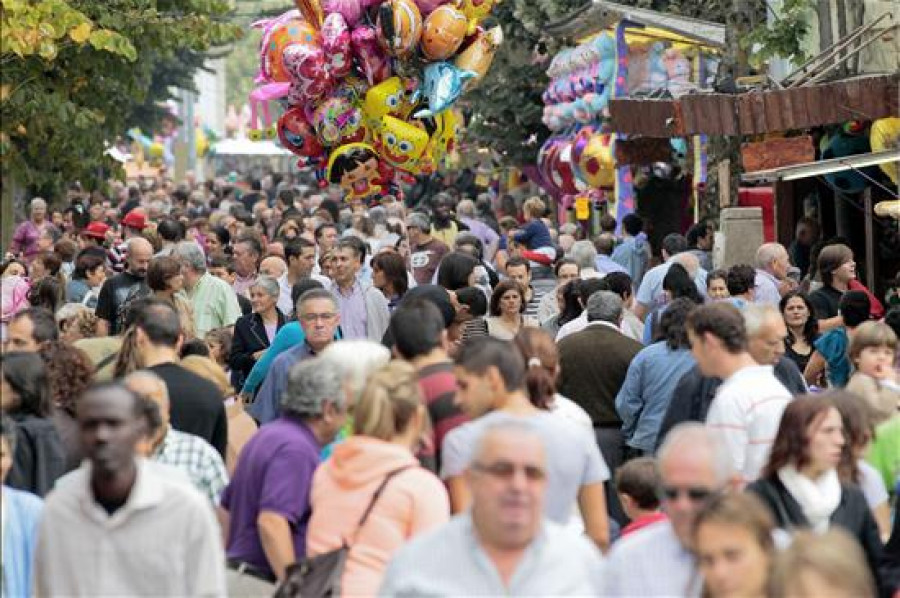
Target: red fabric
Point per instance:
(643, 522)
(536, 256)
(876, 311)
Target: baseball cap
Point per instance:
(134, 219)
(95, 230)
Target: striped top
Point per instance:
(747, 409)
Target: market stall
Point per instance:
(622, 53)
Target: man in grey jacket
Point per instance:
(363, 308)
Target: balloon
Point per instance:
(445, 29)
(311, 11)
(443, 139)
(388, 98)
(597, 163)
(356, 168)
(338, 121)
(336, 46)
(297, 135)
(310, 79)
(371, 59)
(477, 57)
(443, 86)
(475, 11)
(400, 25)
(401, 143)
(276, 40)
(259, 101)
(883, 135)
(427, 6)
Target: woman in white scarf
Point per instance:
(806, 483)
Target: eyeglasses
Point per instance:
(694, 493)
(311, 318)
(504, 470)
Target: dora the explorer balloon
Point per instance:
(357, 169)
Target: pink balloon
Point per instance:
(426, 7)
(336, 46)
(372, 60)
(351, 10)
(310, 79)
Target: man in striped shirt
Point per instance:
(519, 270)
(748, 405)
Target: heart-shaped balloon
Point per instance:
(336, 46)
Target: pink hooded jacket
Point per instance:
(413, 501)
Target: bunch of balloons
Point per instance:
(581, 81)
(368, 85)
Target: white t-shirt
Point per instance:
(573, 458)
(871, 484)
(747, 410)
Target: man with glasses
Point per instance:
(658, 560)
(503, 545)
(317, 311)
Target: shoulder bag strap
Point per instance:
(375, 496)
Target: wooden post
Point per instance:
(870, 237)
(724, 178)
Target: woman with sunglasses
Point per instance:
(802, 482)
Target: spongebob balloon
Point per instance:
(391, 97)
(402, 144)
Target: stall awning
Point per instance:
(822, 167)
(601, 14)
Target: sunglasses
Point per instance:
(504, 470)
(694, 493)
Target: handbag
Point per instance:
(320, 576)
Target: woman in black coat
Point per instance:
(254, 332)
(806, 482)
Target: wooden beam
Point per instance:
(775, 153)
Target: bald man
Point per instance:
(190, 454)
(123, 289)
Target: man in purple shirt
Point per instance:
(317, 311)
(265, 509)
(364, 309)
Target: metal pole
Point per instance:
(191, 136)
(870, 238)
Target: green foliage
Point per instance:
(783, 37)
(114, 62)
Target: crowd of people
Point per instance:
(242, 390)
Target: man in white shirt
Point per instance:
(658, 560)
(748, 405)
(772, 264)
(503, 545)
(120, 525)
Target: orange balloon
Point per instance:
(445, 29)
(294, 31)
(399, 25)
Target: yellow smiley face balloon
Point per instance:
(402, 144)
(388, 98)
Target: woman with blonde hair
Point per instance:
(376, 467)
(829, 564)
(240, 425)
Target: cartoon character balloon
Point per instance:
(338, 121)
(444, 84)
(400, 25)
(390, 97)
(356, 168)
(297, 135)
(444, 31)
(402, 144)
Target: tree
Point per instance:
(77, 74)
